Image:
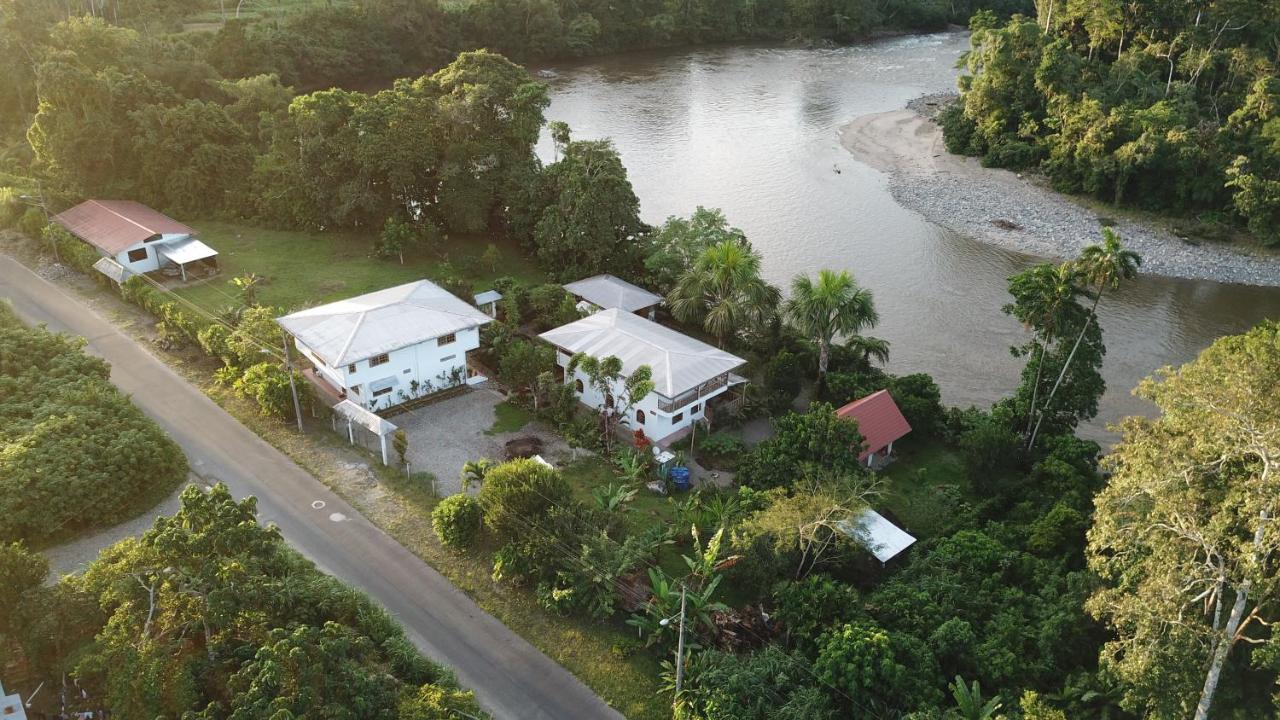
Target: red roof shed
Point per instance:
(879, 420)
(115, 225)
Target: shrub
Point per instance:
(1013, 154)
(783, 375)
(918, 397)
(959, 132)
(32, 222)
(520, 492)
(809, 606)
(268, 384)
(989, 448)
(457, 520)
(71, 251)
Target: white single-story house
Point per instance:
(133, 239)
(687, 373)
(606, 292)
(389, 346)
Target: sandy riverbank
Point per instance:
(958, 193)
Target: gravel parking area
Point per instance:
(446, 435)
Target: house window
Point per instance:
(355, 389)
(694, 410)
(677, 418)
(383, 391)
(446, 339)
(608, 400)
(377, 360)
(577, 385)
(447, 358)
(640, 416)
(351, 368)
(137, 255)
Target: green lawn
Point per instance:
(509, 418)
(306, 268)
(919, 483)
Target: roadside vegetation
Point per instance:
(75, 454)
(209, 615)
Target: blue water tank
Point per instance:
(680, 477)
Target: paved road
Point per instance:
(511, 678)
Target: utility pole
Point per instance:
(680, 647)
(288, 368)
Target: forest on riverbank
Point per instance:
(1166, 107)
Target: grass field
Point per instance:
(508, 417)
(920, 483)
(305, 268)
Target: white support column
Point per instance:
(383, 440)
(351, 435)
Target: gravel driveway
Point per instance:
(446, 435)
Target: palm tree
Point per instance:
(866, 348)
(834, 305)
(969, 702)
(248, 284)
(723, 290)
(1103, 266)
(1043, 296)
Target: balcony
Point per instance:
(708, 388)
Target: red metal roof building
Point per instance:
(880, 422)
(114, 225)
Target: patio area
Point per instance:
(445, 436)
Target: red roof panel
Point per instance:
(879, 420)
(114, 225)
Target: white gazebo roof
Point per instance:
(678, 362)
(488, 296)
(187, 250)
(366, 419)
(361, 327)
(879, 536)
(609, 292)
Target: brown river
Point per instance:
(754, 131)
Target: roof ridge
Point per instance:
(352, 337)
(127, 219)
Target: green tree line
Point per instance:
(1164, 106)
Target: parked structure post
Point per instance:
(288, 367)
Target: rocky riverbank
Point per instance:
(1014, 211)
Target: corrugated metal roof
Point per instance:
(609, 292)
(678, 362)
(186, 251)
(112, 269)
(364, 418)
(114, 225)
(488, 296)
(350, 330)
(879, 536)
(879, 420)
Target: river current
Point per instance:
(754, 131)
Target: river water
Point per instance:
(754, 131)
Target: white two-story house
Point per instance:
(687, 373)
(389, 346)
(134, 239)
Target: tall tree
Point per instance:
(1104, 267)
(620, 392)
(1044, 301)
(834, 305)
(1185, 536)
(723, 290)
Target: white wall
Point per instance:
(427, 363)
(657, 424)
(153, 261)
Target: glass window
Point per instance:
(377, 360)
(137, 255)
(694, 410)
(447, 358)
(677, 417)
(640, 416)
(351, 368)
(577, 385)
(383, 391)
(608, 400)
(446, 339)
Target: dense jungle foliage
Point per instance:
(1164, 106)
